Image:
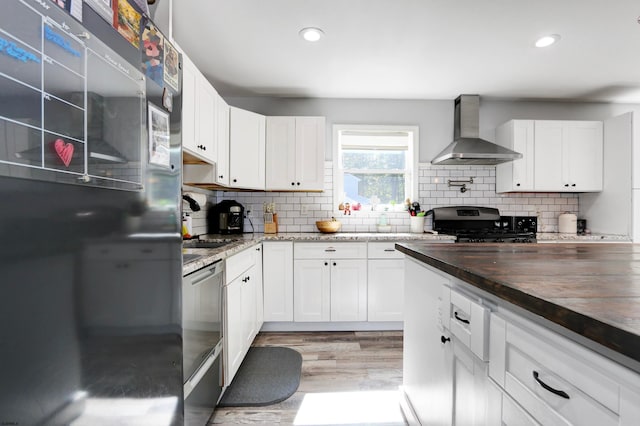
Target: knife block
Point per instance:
(271, 224)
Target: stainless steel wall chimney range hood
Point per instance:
(467, 148)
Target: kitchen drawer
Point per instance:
(330, 250)
(384, 250)
(469, 322)
(593, 397)
(514, 415)
(547, 407)
(240, 262)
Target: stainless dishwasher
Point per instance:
(202, 341)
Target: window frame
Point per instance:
(412, 161)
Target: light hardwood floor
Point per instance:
(359, 363)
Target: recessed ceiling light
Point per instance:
(547, 40)
(311, 34)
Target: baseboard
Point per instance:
(333, 326)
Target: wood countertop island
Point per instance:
(592, 290)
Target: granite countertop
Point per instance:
(590, 289)
(556, 236)
(239, 242)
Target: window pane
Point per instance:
(372, 159)
(360, 187)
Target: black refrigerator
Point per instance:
(90, 241)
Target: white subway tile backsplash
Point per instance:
(433, 191)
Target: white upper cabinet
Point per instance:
(295, 153)
(548, 160)
(189, 72)
(558, 156)
(584, 159)
(246, 149)
(222, 140)
(516, 175)
(568, 156)
(198, 114)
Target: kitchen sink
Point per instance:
(205, 244)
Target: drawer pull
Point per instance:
(549, 388)
(330, 250)
(389, 249)
(445, 339)
(466, 321)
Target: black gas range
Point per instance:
(483, 225)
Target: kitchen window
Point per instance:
(375, 165)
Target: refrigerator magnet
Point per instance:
(153, 54)
(159, 137)
(167, 99)
(127, 20)
(170, 65)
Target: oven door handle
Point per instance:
(208, 272)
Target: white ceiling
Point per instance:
(415, 49)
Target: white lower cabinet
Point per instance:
(427, 369)
(278, 280)
(556, 381)
(470, 381)
(330, 290)
(385, 283)
(312, 284)
(242, 307)
(466, 321)
(348, 290)
(466, 364)
(234, 341)
(330, 282)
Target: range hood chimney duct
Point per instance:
(467, 148)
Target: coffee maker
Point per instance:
(226, 217)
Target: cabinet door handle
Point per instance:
(566, 184)
(334, 263)
(445, 339)
(466, 321)
(326, 263)
(573, 184)
(549, 388)
(298, 183)
(221, 177)
(235, 180)
(293, 184)
(517, 184)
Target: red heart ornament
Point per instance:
(64, 151)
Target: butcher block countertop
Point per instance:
(590, 289)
